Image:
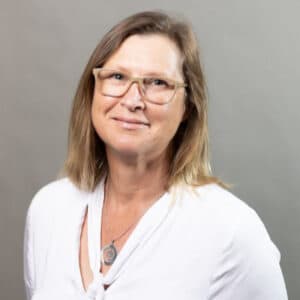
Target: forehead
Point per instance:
(148, 53)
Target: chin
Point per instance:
(128, 148)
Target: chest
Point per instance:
(169, 264)
(84, 262)
(176, 260)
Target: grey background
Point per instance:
(250, 52)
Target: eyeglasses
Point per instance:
(158, 90)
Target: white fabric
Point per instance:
(203, 244)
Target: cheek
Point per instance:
(98, 112)
(168, 120)
(100, 107)
(174, 113)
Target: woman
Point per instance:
(138, 214)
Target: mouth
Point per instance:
(130, 123)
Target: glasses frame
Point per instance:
(140, 82)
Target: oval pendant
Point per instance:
(109, 254)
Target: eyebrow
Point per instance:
(147, 73)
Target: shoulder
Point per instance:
(230, 207)
(221, 199)
(51, 198)
(234, 223)
(53, 207)
(245, 250)
(50, 193)
(217, 203)
(248, 238)
(56, 187)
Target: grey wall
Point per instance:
(250, 52)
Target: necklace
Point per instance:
(109, 252)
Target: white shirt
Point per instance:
(203, 244)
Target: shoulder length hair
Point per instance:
(86, 162)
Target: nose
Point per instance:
(133, 98)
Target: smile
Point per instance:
(128, 123)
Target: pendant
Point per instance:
(109, 254)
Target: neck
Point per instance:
(135, 183)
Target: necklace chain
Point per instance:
(122, 234)
(129, 227)
(109, 251)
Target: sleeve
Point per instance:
(249, 267)
(28, 254)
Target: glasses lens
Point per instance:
(112, 83)
(159, 90)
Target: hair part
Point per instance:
(189, 163)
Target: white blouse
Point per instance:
(202, 243)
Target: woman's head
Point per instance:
(139, 100)
(188, 158)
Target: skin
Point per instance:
(136, 152)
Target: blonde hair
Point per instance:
(86, 162)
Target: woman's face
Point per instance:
(129, 125)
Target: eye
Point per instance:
(157, 81)
(111, 75)
(117, 76)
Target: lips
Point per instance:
(132, 121)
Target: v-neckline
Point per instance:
(149, 222)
